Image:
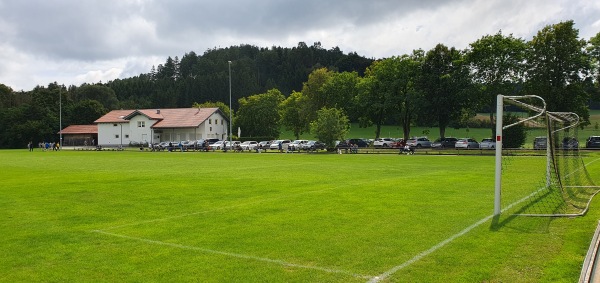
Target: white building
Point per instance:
(122, 127)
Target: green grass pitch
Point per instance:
(75, 216)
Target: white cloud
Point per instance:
(99, 75)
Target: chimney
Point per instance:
(157, 111)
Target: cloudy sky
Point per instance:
(77, 41)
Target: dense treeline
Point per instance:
(180, 82)
(442, 87)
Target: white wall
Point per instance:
(113, 134)
(140, 131)
(215, 127)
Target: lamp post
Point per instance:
(60, 141)
(230, 121)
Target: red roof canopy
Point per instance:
(80, 129)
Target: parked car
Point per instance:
(593, 142)
(444, 143)
(275, 144)
(487, 143)
(383, 142)
(350, 142)
(398, 143)
(211, 141)
(199, 144)
(163, 145)
(570, 143)
(231, 145)
(314, 145)
(467, 143)
(217, 145)
(419, 142)
(540, 143)
(296, 145)
(264, 145)
(248, 145)
(186, 145)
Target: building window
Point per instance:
(209, 121)
(141, 124)
(114, 125)
(216, 121)
(116, 136)
(210, 129)
(126, 136)
(221, 122)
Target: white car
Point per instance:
(231, 145)
(217, 145)
(296, 145)
(275, 144)
(248, 145)
(383, 142)
(467, 143)
(487, 143)
(419, 142)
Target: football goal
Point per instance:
(549, 179)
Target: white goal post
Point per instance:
(499, 127)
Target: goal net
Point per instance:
(548, 177)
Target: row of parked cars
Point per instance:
(312, 145)
(420, 142)
(216, 144)
(567, 142)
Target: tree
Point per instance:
(293, 116)
(85, 112)
(513, 137)
(444, 82)
(222, 106)
(103, 94)
(330, 126)
(558, 67)
(339, 92)
(377, 93)
(312, 89)
(407, 96)
(258, 115)
(496, 63)
(594, 53)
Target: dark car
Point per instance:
(350, 142)
(263, 145)
(570, 143)
(540, 143)
(593, 142)
(314, 145)
(444, 143)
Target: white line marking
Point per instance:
(275, 261)
(445, 242)
(429, 251)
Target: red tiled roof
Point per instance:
(80, 129)
(166, 118)
(115, 116)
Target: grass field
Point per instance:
(75, 216)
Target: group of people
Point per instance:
(45, 146)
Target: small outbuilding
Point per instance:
(79, 135)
